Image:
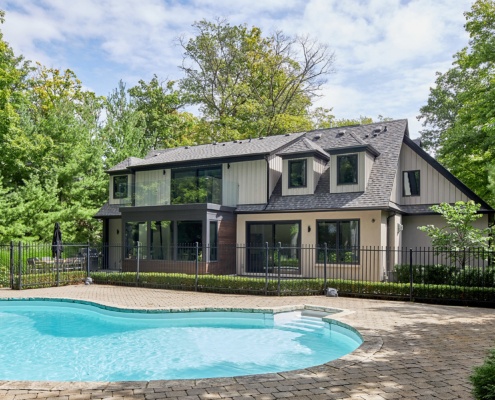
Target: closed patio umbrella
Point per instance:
(57, 247)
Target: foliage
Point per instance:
(441, 274)
(248, 85)
(459, 116)
(164, 125)
(483, 379)
(459, 232)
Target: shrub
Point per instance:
(483, 379)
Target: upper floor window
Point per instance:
(120, 187)
(347, 169)
(297, 173)
(197, 185)
(411, 183)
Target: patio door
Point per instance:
(273, 233)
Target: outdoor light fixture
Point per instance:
(309, 228)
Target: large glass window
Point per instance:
(162, 240)
(273, 233)
(411, 183)
(120, 187)
(197, 185)
(342, 240)
(347, 169)
(297, 173)
(136, 235)
(188, 234)
(213, 240)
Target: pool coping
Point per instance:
(372, 343)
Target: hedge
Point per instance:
(446, 275)
(236, 284)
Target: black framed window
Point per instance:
(120, 187)
(197, 185)
(347, 169)
(286, 260)
(411, 183)
(213, 240)
(342, 240)
(297, 173)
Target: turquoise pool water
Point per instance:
(62, 341)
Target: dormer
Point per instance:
(302, 165)
(121, 185)
(350, 168)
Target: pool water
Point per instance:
(62, 341)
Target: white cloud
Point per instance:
(387, 51)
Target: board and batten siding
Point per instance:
(434, 187)
(362, 180)
(308, 189)
(250, 179)
(318, 168)
(126, 200)
(153, 187)
(275, 164)
(369, 160)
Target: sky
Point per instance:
(387, 52)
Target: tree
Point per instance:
(250, 85)
(164, 125)
(13, 80)
(459, 117)
(458, 233)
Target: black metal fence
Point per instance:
(464, 276)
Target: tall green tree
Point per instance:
(459, 117)
(249, 85)
(14, 71)
(165, 125)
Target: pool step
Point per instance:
(304, 324)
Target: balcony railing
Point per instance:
(181, 191)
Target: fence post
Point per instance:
(278, 258)
(267, 260)
(325, 247)
(19, 256)
(197, 268)
(137, 264)
(11, 264)
(411, 275)
(87, 261)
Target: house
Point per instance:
(365, 186)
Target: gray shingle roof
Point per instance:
(124, 165)
(108, 210)
(237, 148)
(302, 147)
(387, 143)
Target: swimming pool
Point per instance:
(68, 341)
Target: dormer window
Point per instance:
(120, 187)
(297, 173)
(347, 169)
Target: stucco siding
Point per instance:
(115, 243)
(412, 237)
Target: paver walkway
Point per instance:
(411, 351)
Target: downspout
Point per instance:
(388, 253)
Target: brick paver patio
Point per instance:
(411, 351)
